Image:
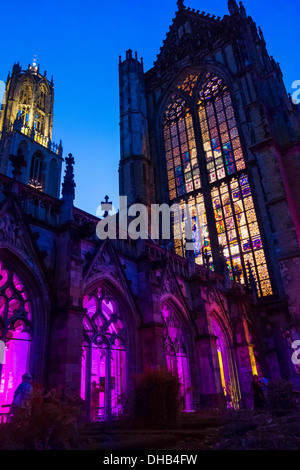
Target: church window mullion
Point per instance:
(185, 156)
(224, 219)
(210, 220)
(179, 170)
(210, 151)
(228, 165)
(172, 181)
(238, 236)
(253, 261)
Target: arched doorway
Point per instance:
(104, 353)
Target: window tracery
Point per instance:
(105, 348)
(41, 98)
(176, 355)
(35, 178)
(26, 92)
(234, 212)
(188, 83)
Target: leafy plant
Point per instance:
(46, 425)
(156, 400)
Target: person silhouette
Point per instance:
(21, 398)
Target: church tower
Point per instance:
(224, 139)
(26, 122)
(135, 164)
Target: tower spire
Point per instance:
(68, 190)
(180, 4)
(232, 7)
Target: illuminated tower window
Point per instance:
(188, 84)
(39, 122)
(24, 114)
(41, 98)
(36, 168)
(26, 92)
(181, 153)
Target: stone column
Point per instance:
(152, 346)
(211, 393)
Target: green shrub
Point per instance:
(46, 425)
(156, 400)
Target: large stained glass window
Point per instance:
(220, 137)
(228, 186)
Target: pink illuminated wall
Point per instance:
(15, 331)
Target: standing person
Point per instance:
(94, 400)
(264, 382)
(22, 395)
(258, 394)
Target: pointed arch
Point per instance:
(205, 169)
(109, 354)
(54, 169)
(24, 324)
(178, 336)
(37, 177)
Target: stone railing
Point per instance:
(35, 203)
(39, 138)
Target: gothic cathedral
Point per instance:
(210, 129)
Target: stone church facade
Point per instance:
(210, 125)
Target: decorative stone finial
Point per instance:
(180, 4)
(243, 10)
(68, 187)
(18, 162)
(252, 281)
(106, 204)
(232, 7)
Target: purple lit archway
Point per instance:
(176, 350)
(226, 362)
(104, 352)
(15, 331)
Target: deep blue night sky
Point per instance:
(79, 43)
